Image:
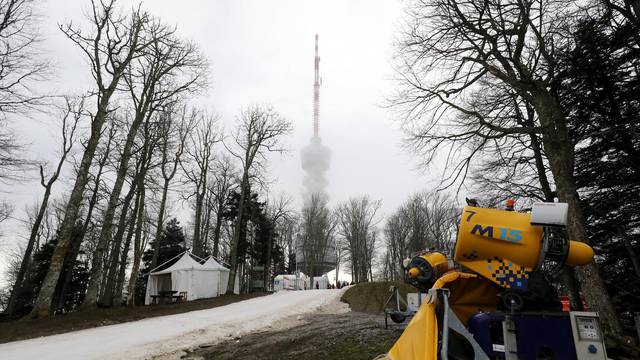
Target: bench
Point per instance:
(162, 298)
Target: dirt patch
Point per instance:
(26, 329)
(344, 336)
(370, 297)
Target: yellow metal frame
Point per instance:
(419, 341)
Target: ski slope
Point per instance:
(168, 334)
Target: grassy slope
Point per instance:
(370, 297)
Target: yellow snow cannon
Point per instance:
(502, 262)
(506, 247)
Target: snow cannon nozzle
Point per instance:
(423, 270)
(579, 254)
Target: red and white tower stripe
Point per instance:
(316, 94)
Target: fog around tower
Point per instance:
(316, 159)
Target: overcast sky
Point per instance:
(262, 51)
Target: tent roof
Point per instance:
(186, 262)
(212, 264)
(290, 276)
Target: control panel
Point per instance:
(587, 335)
(414, 302)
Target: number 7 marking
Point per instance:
(471, 213)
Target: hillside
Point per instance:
(370, 297)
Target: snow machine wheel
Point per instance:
(397, 317)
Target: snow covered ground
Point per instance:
(165, 336)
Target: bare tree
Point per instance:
(71, 116)
(396, 232)
(122, 265)
(456, 55)
(114, 43)
(20, 63)
(197, 171)
(150, 141)
(278, 211)
(288, 230)
(316, 239)
(629, 10)
(258, 132)
(173, 138)
(357, 221)
(224, 183)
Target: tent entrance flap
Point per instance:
(164, 282)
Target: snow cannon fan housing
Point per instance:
(423, 270)
(506, 247)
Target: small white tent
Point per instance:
(320, 282)
(288, 282)
(211, 263)
(187, 275)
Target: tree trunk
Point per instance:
(125, 253)
(43, 302)
(137, 251)
(145, 161)
(94, 197)
(163, 202)
(354, 275)
(26, 259)
(568, 274)
(632, 253)
(540, 169)
(267, 265)
(236, 234)
(337, 271)
(216, 232)
(559, 150)
(206, 225)
(105, 233)
(197, 223)
(106, 263)
(67, 271)
(108, 293)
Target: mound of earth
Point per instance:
(370, 297)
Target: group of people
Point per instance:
(338, 285)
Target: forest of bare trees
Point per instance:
(532, 100)
(141, 152)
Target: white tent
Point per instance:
(187, 275)
(320, 282)
(211, 263)
(288, 282)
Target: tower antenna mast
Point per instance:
(316, 94)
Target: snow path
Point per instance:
(164, 335)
